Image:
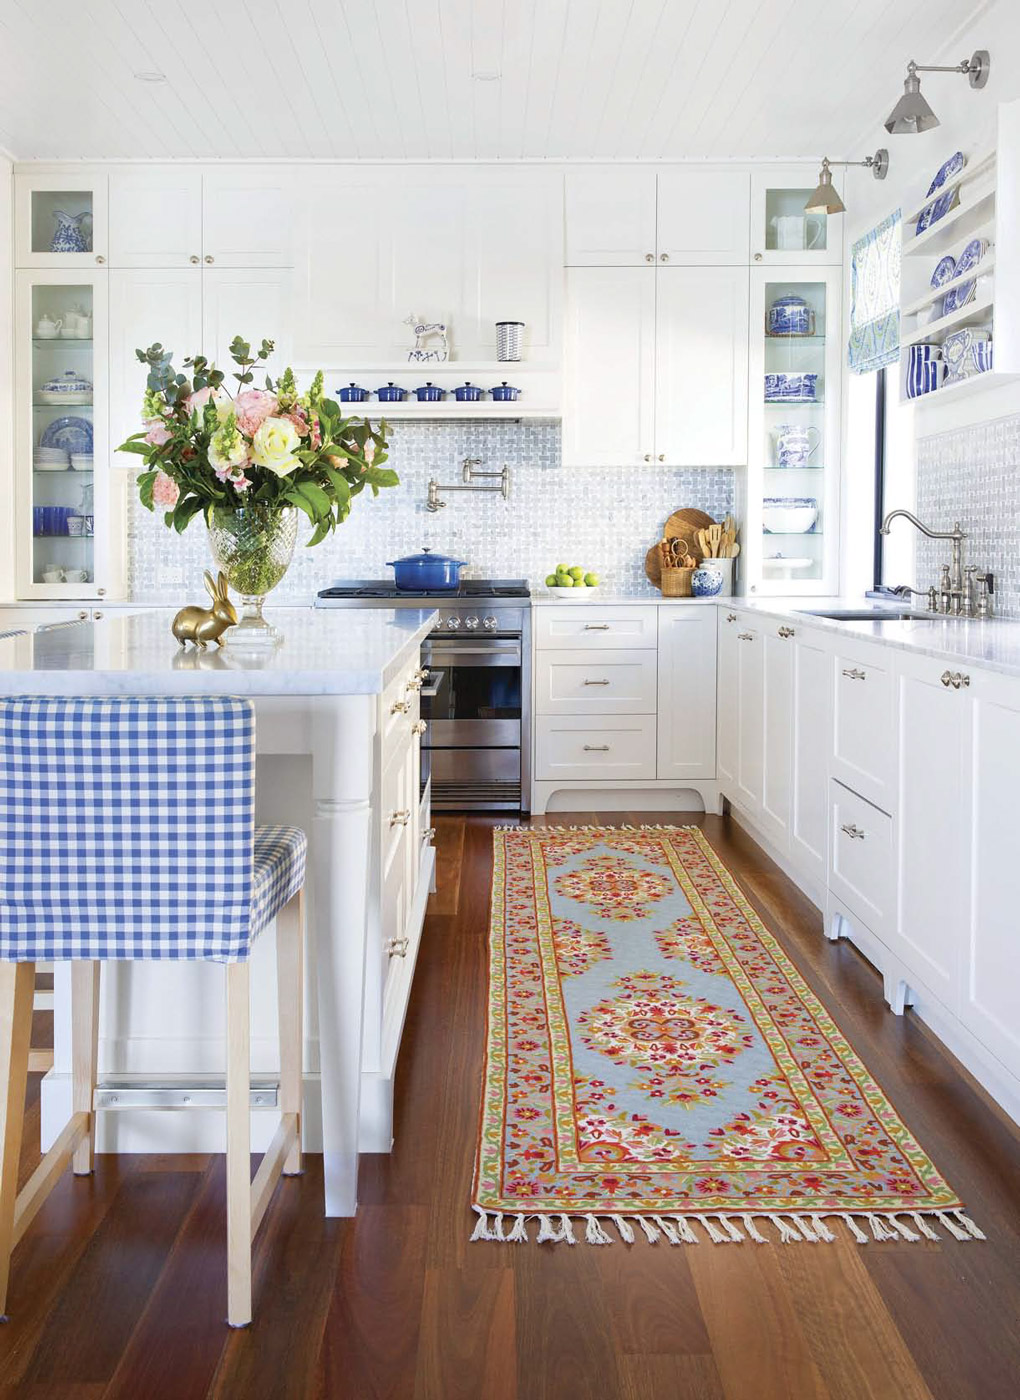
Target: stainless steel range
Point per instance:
(477, 697)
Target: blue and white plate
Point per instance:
(72, 434)
(945, 271)
(971, 255)
(959, 296)
(946, 171)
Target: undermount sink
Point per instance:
(869, 614)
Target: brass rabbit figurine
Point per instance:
(202, 625)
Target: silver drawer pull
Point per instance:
(419, 727)
(854, 832)
(413, 684)
(429, 834)
(955, 678)
(596, 748)
(399, 707)
(854, 674)
(786, 632)
(400, 818)
(731, 617)
(587, 682)
(397, 947)
(596, 626)
(745, 636)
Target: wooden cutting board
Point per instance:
(687, 523)
(653, 566)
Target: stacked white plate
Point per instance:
(82, 461)
(50, 459)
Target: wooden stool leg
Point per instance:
(289, 991)
(17, 989)
(84, 1054)
(238, 1146)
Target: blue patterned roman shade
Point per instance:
(875, 298)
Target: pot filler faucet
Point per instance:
(956, 594)
(470, 476)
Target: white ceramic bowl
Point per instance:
(789, 517)
(575, 595)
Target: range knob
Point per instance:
(471, 623)
(453, 624)
(489, 623)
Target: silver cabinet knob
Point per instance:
(648, 456)
(100, 592)
(400, 818)
(662, 456)
(99, 258)
(946, 678)
(663, 257)
(97, 616)
(649, 257)
(83, 615)
(757, 257)
(429, 834)
(209, 258)
(194, 258)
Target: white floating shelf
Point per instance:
(982, 165)
(960, 223)
(934, 294)
(967, 315)
(963, 388)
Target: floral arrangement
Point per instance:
(206, 449)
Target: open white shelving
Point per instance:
(988, 205)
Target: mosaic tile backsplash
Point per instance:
(602, 518)
(973, 475)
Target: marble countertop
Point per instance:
(322, 653)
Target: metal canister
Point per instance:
(509, 339)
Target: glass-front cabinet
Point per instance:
(792, 507)
(783, 233)
(60, 221)
(63, 479)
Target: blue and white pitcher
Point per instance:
(68, 237)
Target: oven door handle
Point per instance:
(430, 688)
(449, 651)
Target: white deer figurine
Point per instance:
(424, 332)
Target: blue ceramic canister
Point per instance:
(353, 393)
(790, 315)
(707, 580)
(467, 393)
(504, 393)
(429, 393)
(391, 393)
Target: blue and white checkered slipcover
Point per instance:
(127, 830)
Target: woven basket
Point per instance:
(676, 583)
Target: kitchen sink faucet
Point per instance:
(961, 602)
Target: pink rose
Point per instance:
(165, 491)
(197, 401)
(253, 407)
(158, 432)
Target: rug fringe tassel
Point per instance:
(626, 1233)
(809, 1227)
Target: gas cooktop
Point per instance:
(468, 589)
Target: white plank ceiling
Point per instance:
(458, 79)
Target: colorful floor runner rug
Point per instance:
(655, 1062)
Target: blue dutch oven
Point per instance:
(427, 573)
(467, 393)
(353, 394)
(429, 393)
(504, 393)
(391, 393)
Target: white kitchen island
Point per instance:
(337, 740)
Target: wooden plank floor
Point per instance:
(118, 1288)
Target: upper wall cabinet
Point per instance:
(622, 217)
(782, 233)
(465, 248)
(61, 219)
(167, 216)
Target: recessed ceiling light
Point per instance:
(486, 75)
(150, 75)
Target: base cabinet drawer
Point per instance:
(610, 683)
(615, 747)
(861, 857)
(595, 629)
(863, 730)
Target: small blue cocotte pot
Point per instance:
(427, 573)
(353, 394)
(391, 393)
(504, 393)
(429, 393)
(467, 393)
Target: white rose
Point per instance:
(274, 446)
(227, 460)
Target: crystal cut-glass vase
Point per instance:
(253, 546)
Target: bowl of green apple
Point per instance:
(571, 582)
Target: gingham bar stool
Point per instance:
(127, 831)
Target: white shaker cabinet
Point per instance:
(811, 709)
(156, 217)
(932, 739)
(727, 672)
(252, 303)
(609, 216)
(703, 216)
(247, 217)
(686, 692)
(147, 306)
(989, 984)
(609, 379)
(777, 730)
(701, 354)
(750, 730)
